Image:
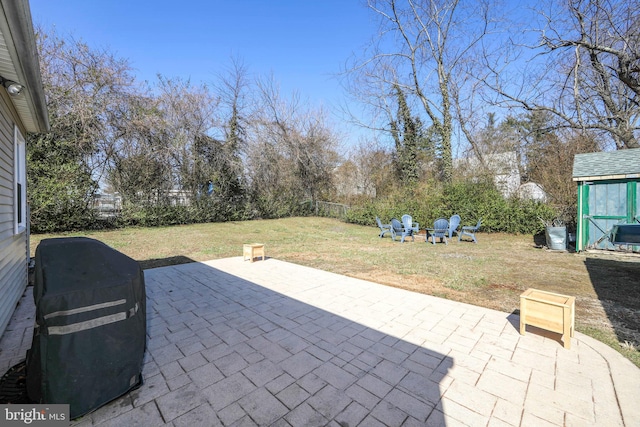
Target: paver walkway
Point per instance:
(274, 343)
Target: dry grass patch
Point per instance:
(492, 273)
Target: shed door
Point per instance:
(636, 217)
(607, 207)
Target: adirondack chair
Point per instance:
(454, 222)
(440, 230)
(384, 228)
(397, 229)
(407, 221)
(470, 231)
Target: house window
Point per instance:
(20, 182)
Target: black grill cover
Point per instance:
(90, 333)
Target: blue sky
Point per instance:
(303, 43)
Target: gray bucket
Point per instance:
(556, 238)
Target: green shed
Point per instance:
(608, 196)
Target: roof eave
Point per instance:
(17, 29)
(607, 177)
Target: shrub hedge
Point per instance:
(425, 203)
(470, 200)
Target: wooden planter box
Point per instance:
(550, 311)
(253, 250)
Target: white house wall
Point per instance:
(503, 167)
(13, 248)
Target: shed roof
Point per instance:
(621, 164)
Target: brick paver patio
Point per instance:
(234, 343)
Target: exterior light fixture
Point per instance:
(12, 87)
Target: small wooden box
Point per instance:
(253, 250)
(550, 311)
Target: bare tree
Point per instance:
(375, 168)
(423, 48)
(550, 164)
(585, 71)
(189, 116)
(167, 137)
(232, 87)
(292, 153)
(140, 168)
(84, 89)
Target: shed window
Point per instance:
(20, 182)
(608, 199)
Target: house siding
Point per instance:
(13, 247)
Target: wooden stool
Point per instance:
(550, 311)
(253, 250)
